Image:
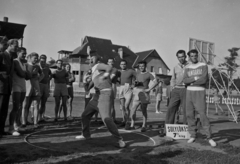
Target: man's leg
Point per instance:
(4, 101)
(26, 105)
(134, 108)
(104, 106)
(173, 106)
(57, 104)
(35, 101)
(122, 107)
(200, 105)
(64, 104)
(183, 104)
(190, 96)
(87, 114)
(16, 96)
(144, 112)
(20, 108)
(44, 98)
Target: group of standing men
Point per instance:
(104, 78)
(188, 91)
(27, 80)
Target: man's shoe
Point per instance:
(81, 137)
(6, 133)
(122, 144)
(212, 143)
(143, 129)
(123, 124)
(191, 140)
(15, 133)
(127, 127)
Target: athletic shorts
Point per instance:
(60, 90)
(70, 92)
(44, 88)
(125, 92)
(18, 88)
(32, 88)
(159, 97)
(136, 99)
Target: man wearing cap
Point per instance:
(6, 72)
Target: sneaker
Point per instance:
(212, 143)
(123, 124)
(191, 140)
(127, 127)
(23, 126)
(122, 144)
(143, 129)
(35, 126)
(81, 137)
(15, 133)
(132, 128)
(157, 112)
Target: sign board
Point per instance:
(177, 131)
(205, 49)
(233, 100)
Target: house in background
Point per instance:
(79, 59)
(155, 64)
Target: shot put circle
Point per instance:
(63, 140)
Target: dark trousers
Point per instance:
(178, 97)
(101, 102)
(4, 102)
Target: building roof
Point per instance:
(144, 54)
(105, 49)
(64, 52)
(12, 30)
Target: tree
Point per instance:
(230, 62)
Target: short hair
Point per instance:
(123, 61)
(43, 56)
(111, 59)
(181, 52)
(192, 51)
(12, 41)
(3, 39)
(20, 49)
(68, 64)
(33, 54)
(142, 62)
(59, 60)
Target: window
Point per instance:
(81, 76)
(152, 69)
(75, 72)
(160, 70)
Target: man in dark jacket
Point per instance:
(6, 71)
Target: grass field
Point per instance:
(55, 142)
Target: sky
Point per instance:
(164, 25)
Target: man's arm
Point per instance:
(188, 80)
(155, 83)
(106, 68)
(41, 75)
(203, 78)
(173, 79)
(17, 68)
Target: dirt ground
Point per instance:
(55, 142)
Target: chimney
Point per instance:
(5, 19)
(120, 52)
